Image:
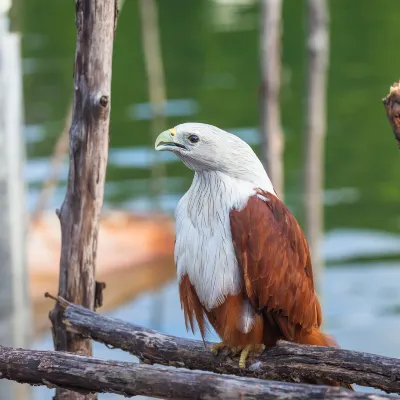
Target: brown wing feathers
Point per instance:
(274, 258)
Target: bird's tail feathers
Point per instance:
(318, 338)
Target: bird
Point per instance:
(243, 261)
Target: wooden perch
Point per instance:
(392, 105)
(284, 362)
(85, 374)
(88, 152)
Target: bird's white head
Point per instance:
(206, 147)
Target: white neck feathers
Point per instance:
(203, 248)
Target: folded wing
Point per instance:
(275, 263)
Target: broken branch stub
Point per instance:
(392, 106)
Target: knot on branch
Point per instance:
(104, 100)
(392, 106)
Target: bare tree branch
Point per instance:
(271, 130)
(56, 162)
(284, 362)
(88, 153)
(315, 129)
(85, 374)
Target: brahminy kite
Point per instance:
(243, 262)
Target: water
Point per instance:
(210, 52)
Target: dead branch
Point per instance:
(154, 66)
(271, 130)
(284, 362)
(315, 129)
(57, 159)
(87, 375)
(88, 152)
(392, 106)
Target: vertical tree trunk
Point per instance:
(271, 130)
(56, 163)
(15, 322)
(154, 67)
(88, 152)
(314, 138)
(156, 85)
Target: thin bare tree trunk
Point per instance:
(314, 138)
(15, 316)
(59, 153)
(88, 145)
(57, 160)
(156, 83)
(271, 130)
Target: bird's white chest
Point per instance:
(203, 247)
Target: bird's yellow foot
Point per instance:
(234, 351)
(217, 347)
(255, 348)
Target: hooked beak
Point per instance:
(167, 140)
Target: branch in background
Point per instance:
(156, 84)
(271, 130)
(392, 106)
(88, 144)
(284, 362)
(59, 153)
(315, 132)
(85, 375)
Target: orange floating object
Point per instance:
(135, 254)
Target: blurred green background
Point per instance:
(211, 56)
(211, 59)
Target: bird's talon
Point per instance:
(217, 347)
(235, 350)
(247, 350)
(261, 348)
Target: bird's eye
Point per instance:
(193, 138)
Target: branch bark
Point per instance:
(85, 374)
(271, 130)
(284, 362)
(392, 106)
(315, 132)
(88, 151)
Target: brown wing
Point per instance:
(275, 262)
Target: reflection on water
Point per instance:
(210, 53)
(212, 76)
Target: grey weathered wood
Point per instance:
(86, 374)
(315, 131)
(14, 296)
(270, 57)
(284, 362)
(88, 152)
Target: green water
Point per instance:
(210, 52)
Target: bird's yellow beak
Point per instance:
(167, 140)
